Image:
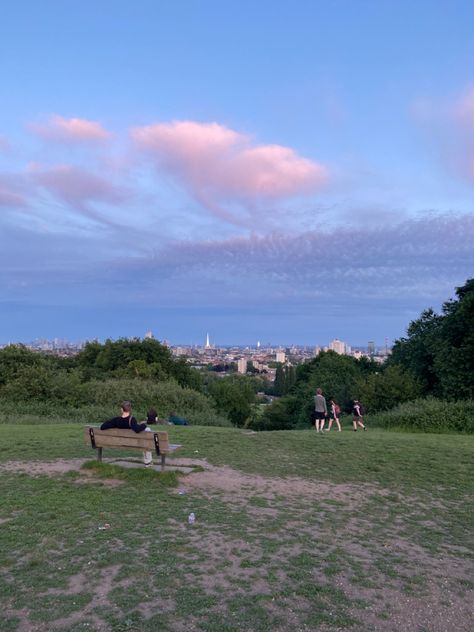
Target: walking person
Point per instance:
(334, 412)
(358, 415)
(320, 410)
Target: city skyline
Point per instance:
(336, 344)
(283, 172)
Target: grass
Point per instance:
(367, 521)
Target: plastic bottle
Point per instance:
(191, 518)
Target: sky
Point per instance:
(277, 171)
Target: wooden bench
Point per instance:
(118, 438)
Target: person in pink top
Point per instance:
(334, 412)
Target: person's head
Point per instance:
(126, 407)
(356, 401)
(151, 414)
(319, 391)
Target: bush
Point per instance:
(100, 400)
(428, 415)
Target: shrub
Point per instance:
(428, 415)
(100, 400)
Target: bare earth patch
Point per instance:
(399, 583)
(48, 468)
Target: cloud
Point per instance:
(353, 280)
(79, 188)
(12, 192)
(5, 145)
(415, 262)
(463, 109)
(220, 165)
(63, 130)
(450, 124)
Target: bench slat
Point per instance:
(116, 437)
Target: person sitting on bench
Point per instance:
(126, 420)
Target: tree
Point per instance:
(233, 396)
(279, 384)
(388, 388)
(439, 349)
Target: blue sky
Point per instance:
(274, 171)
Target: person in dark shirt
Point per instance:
(358, 415)
(151, 417)
(126, 420)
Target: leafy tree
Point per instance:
(388, 388)
(136, 358)
(439, 349)
(415, 353)
(14, 358)
(279, 384)
(233, 396)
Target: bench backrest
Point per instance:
(118, 438)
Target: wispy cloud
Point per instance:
(219, 165)
(79, 188)
(415, 260)
(12, 192)
(450, 123)
(64, 130)
(5, 145)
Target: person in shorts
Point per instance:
(320, 410)
(357, 415)
(334, 412)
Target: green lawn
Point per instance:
(294, 531)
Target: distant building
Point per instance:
(338, 346)
(280, 356)
(208, 343)
(371, 348)
(242, 366)
(148, 335)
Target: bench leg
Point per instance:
(163, 458)
(99, 454)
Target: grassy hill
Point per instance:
(294, 531)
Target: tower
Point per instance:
(208, 344)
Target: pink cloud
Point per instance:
(78, 188)
(450, 124)
(464, 109)
(61, 129)
(12, 192)
(5, 145)
(219, 164)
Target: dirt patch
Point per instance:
(87, 477)
(240, 486)
(48, 468)
(59, 466)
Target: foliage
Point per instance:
(338, 376)
(285, 379)
(234, 396)
(387, 388)
(439, 349)
(97, 400)
(147, 359)
(428, 415)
